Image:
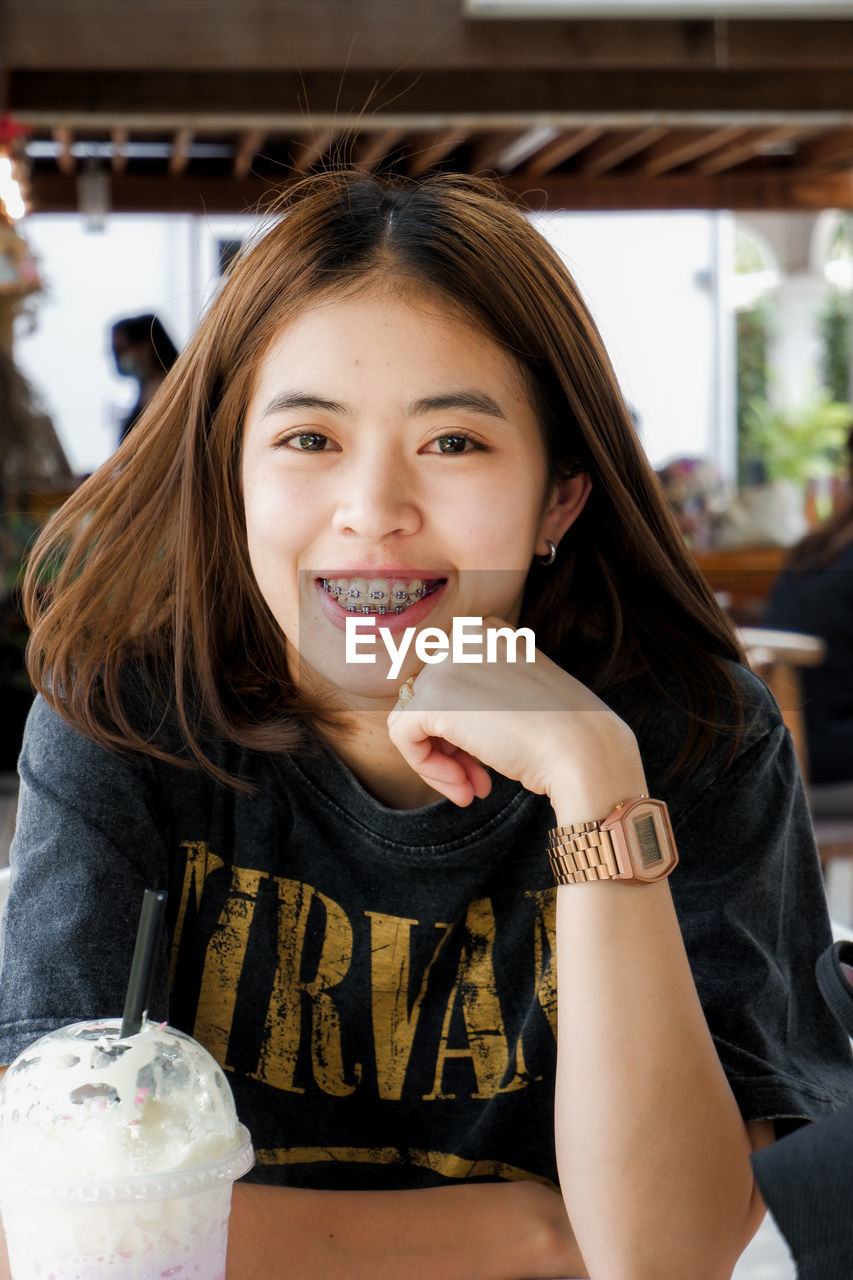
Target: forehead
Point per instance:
(394, 327)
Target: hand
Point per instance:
(529, 721)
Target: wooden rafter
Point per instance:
(614, 148)
(310, 149)
(372, 148)
(833, 150)
(180, 157)
(65, 161)
(753, 142)
(119, 138)
(248, 146)
(526, 145)
(433, 148)
(563, 147)
(680, 146)
(490, 150)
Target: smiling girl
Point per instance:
(398, 411)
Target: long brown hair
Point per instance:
(145, 570)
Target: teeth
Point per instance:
(379, 595)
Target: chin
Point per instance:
(354, 687)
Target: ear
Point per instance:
(566, 501)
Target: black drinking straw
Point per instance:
(142, 965)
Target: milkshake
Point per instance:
(117, 1156)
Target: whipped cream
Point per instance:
(82, 1102)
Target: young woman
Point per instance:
(397, 418)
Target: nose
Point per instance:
(378, 499)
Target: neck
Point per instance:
(369, 753)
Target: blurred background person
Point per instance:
(814, 594)
(142, 349)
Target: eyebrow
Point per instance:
(474, 401)
(477, 401)
(300, 400)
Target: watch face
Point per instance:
(651, 844)
(647, 842)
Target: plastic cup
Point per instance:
(117, 1158)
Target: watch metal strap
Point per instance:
(581, 852)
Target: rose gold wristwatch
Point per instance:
(634, 842)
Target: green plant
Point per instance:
(798, 444)
(834, 321)
(752, 338)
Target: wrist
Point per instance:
(609, 771)
(594, 800)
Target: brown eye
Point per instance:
(308, 441)
(452, 444)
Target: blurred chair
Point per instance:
(777, 656)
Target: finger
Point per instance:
(450, 770)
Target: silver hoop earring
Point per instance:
(548, 560)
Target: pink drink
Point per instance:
(117, 1157)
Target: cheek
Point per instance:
(266, 539)
(500, 518)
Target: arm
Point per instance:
(652, 1150)
(489, 1231)
(661, 1110)
(485, 1232)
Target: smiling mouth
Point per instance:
(379, 595)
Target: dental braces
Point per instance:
(353, 596)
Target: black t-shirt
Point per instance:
(379, 984)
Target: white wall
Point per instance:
(137, 264)
(648, 279)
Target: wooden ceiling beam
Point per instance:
(254, 35)
(180, 157)
(447, 99)
(309, 150)
(65, 161)
(564, 146)
(433, 148)
(805, 189)
(615, 147)
(753, 142)
(828, 151)
(680, 147)
(248, 146)
(526, 145)
(372, 148)
(746, 190)
(487, 151)
(119, 138)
